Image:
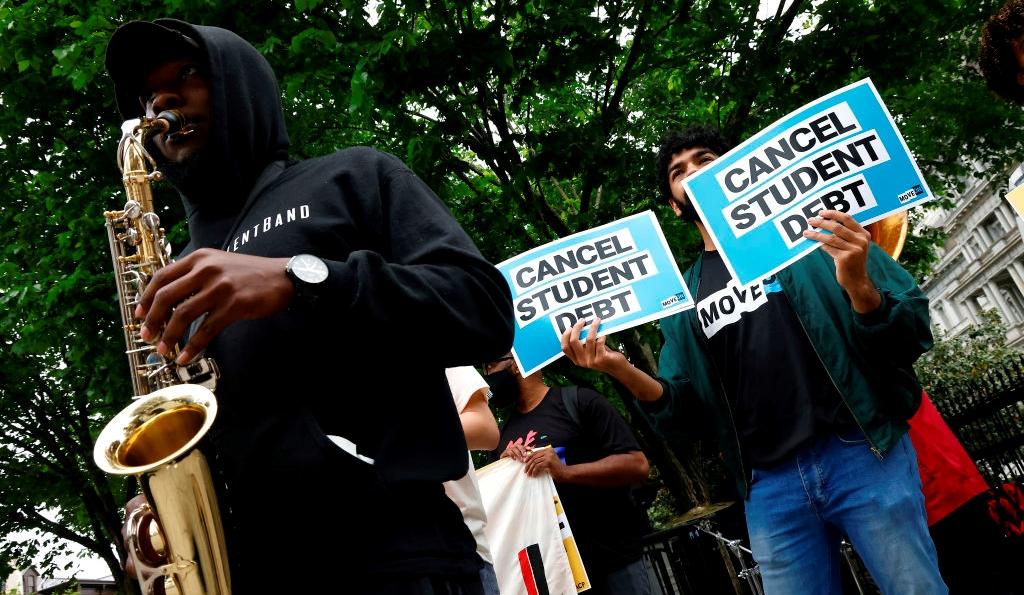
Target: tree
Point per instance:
(531, 118)
(962, 359)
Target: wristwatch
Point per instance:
(309, 275)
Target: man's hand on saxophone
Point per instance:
(225, 286)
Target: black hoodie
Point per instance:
(409, 294)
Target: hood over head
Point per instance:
(247, 130)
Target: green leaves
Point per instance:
(357, 98)
(323, 38)
(307, 5)
(531, 119)
(956, 361)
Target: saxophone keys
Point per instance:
(132, 209)
(151, 221)
(130, 237)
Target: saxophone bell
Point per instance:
(176, 541)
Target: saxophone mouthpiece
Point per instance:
(170, 121)
(171, 124)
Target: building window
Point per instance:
(992, 229)
(957, 263)
(974, 247)
(939, 319)
(979, 303)
(1010, 293)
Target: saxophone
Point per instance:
(176, 540)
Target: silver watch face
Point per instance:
(309, 268)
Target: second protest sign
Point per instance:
(622, 273)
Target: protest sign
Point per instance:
(1016, 199)
(621, 272)
(841, 152)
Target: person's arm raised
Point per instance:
(595, 355)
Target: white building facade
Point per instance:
(981, 265)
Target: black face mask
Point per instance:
(504, 387)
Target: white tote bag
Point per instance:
(531, 541)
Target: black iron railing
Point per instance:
(687, 561)
(987, 415)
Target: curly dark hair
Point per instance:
(676, 141)
(997, 59)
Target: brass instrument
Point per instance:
(176, 540)
(890, 233)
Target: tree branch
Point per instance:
(33, 518)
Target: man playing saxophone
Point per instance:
(297, 276)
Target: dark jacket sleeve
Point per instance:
(899, 330)
(423, 289)
(679, 414)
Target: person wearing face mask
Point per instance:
(600, 459)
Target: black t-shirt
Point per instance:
(606, 523)
(779, 391)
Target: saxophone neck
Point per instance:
(132, 156)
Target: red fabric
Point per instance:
(1007, 509)
(949, 477)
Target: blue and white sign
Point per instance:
(841, 152)
(622, 273)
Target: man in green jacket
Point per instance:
(807, 377)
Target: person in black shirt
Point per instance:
(292, 347)
(779, 402)
(602, 459)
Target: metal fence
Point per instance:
(686, 560)
(987, 415)
(696, 559)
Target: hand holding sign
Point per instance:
(594, 355)
(848, 245)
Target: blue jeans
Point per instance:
(631, 579)
(799, 510)
(488, 579)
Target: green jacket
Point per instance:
(869, 357)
